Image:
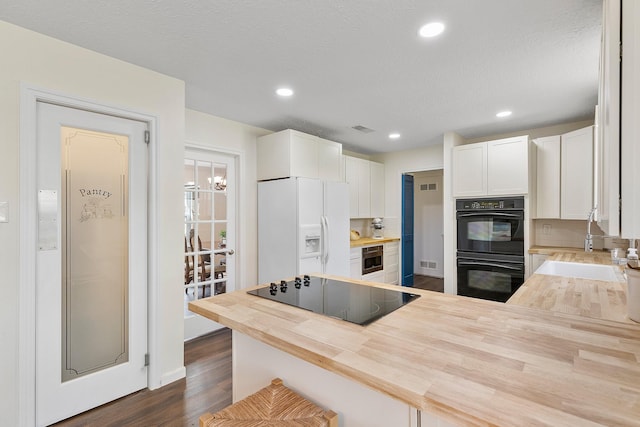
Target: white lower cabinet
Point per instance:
(535, 261)
(355, 262)
(378, 277)
(391, 262)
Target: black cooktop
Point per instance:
(360, 304)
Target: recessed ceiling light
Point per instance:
(431, 29)
(284, 91)
(503, 114)
(394, 135)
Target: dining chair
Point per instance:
(188, 265)
(204, 262)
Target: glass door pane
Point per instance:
(205, 228)
(95, 248)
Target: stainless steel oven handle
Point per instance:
(506, 215)
(488, 264)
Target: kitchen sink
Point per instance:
(578, 270)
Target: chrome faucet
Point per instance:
(588, 241)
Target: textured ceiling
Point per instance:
(352, 62)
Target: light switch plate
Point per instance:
(4, 211)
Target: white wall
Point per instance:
(60, 67)
(428, 224)
(396, 164)
(238, 139)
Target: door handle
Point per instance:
(230, 252)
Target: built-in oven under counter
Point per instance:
(372, 259)
(489, 276)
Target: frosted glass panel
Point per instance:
(94, 251)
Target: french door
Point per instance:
(91, 260)
(209, 232)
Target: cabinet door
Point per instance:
(377, 189)
(355, 263)
(630, 128)
(364, 188)
(377, 277)
(607, 140)
(274, 156)
(536, 261)
(576, 182)
(391, 263)
(470, 170)
(304, 155)
(329, 160)
(548, 177)
(508, 166)
(351, 177)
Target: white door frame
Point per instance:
(29, 97)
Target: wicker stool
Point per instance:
(274, 405)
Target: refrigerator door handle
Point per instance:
(326, 242)
(322, 243)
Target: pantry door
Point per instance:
(91, 260)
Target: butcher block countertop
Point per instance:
(591, 298)
(367, 241)
(469, 361)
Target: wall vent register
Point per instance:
(353, 302)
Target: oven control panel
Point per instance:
(490, 204)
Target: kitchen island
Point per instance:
(459, 360)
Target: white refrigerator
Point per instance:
(303, 228)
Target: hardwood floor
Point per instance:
(428, 283)
(206, 388)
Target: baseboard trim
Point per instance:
(170, 377)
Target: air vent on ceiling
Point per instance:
(362, 129)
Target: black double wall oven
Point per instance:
(490, 256)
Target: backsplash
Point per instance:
(571, 233)
(363, 226)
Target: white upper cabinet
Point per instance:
(607, 135)
(329, 160)
(564, 175)
(492, 168)
(292, 153)
(351, 176)
(508, 166)
(630, 122)
(366, 187)
(362, 184)
(470, 170)
(548, 177)
(376, 189)
(576, 174)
